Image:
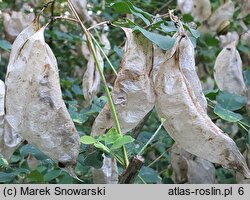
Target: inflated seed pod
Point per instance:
(245, 38)
(2, 104)
(15, 23)
(239, 177)
(201, 10)
(91, 78)
(200, 171)
(159, 57)
(10, 139)
(187, 122)
(185, 6)
(107, 174)
(179, 164)
(131, 88)
(223, 13)
(190, 169)
(228, 38)
(187, 66)
(2, 96)
(228, 70)
(36, 110)
(245, 9)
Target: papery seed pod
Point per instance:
(131, 88)
(228, 70)
(15, 23)
(2, 105)
(107, 174)
(32, 162)
(176, 102)
(245, 38)
(159, 57)
(200, 171)
(179, 164)
(10, 138)
(91, 78)
(106, 43)
(239, 178)
(185, 6)
(85, 51)
(2, 96)
(187, 65)
(201, 10)
(223, 13)
(245, 9)
(228, 38)
(36, 110)
(187, 169)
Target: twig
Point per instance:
(51, 27)
(64, 18)
(99, 24)
(102, 77)
(158, 158)
(128, 175)
(150, 140)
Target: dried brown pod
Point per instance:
(2, 113)
(179, 164)
(105, 42)
(107, 174)
(221, 14)
(10, 139)
(159, 57)
(200, 171)
(181, 168)
(15, 22)
(228, 38)
(245, 9)
(185, 6)
(190, 169)
(131, 88)
(245, 38)
(228, 70)
(2, 103)
(36, 111)
(239, 178)
(201, 10)
(91, 78)
(176, 102)
(187, 65)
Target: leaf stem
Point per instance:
(99, 24)
(150, 140)
(110, 101)
(103, 53)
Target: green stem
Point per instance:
(143, 181)
(103, 53)
(110, 101)
(150, 140)
(242, 126)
